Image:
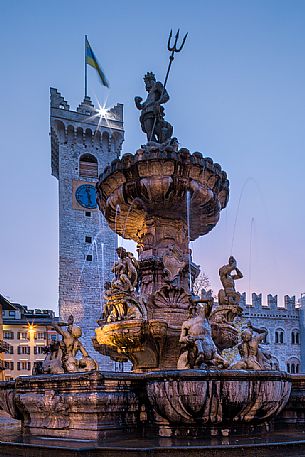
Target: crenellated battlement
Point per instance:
(85, 127)
(86, 113)
(270, 304)
(57, 100)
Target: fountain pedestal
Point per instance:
(144, 198)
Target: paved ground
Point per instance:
(282, 443)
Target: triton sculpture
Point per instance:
(61, 357)
(198, 347)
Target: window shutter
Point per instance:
(35, 349)
(19, 350)
(29, 349)
(18, 335)
(29, 366)
(18, 366)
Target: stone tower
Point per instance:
(83, 143)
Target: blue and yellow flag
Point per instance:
(92, 61)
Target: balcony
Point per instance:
(4, 346)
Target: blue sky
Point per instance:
(237, 95)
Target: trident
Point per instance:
(172, 49)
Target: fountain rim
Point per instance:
(128, 160)
(158, 375)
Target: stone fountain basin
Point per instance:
(216, 397)
(154, 184)
(95, 405)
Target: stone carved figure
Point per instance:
(121, 299)
(125, 271)
(198, 349)
(228, 295)
(224, 333)
(62, 355)
(53, 362)
(152, 112)
(269, 360)
(252, 356)
(173, 263)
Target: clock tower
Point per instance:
(83, 143)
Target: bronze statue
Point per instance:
(252, 356)
(228, 295)
(152, 112)
(198, 347)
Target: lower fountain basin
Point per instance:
(191, 401)
(96, 405)
(89, 405)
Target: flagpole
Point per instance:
(85, 66)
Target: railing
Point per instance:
(4, 346)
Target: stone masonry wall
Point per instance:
(277, 317)
(81, 281)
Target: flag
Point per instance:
(92, 61)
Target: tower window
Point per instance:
(89, 257)
(88, 213)
(295, 337)
(88, 239)
(279, 336)
(88, 167)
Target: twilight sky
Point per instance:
(237, 95)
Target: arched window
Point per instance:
(88, 167)
(279, 336)
(295, 337)
(293, 366)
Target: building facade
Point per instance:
(27, 332)
(5, 306)
(83, 143)
(283, 320)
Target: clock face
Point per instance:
(86, 196)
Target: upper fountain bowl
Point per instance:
(154, 184)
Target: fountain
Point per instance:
(182, 384)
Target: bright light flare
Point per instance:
(31, 328)
(102, 111)
(102, 114)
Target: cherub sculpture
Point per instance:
(125, 271)
(121, 299)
